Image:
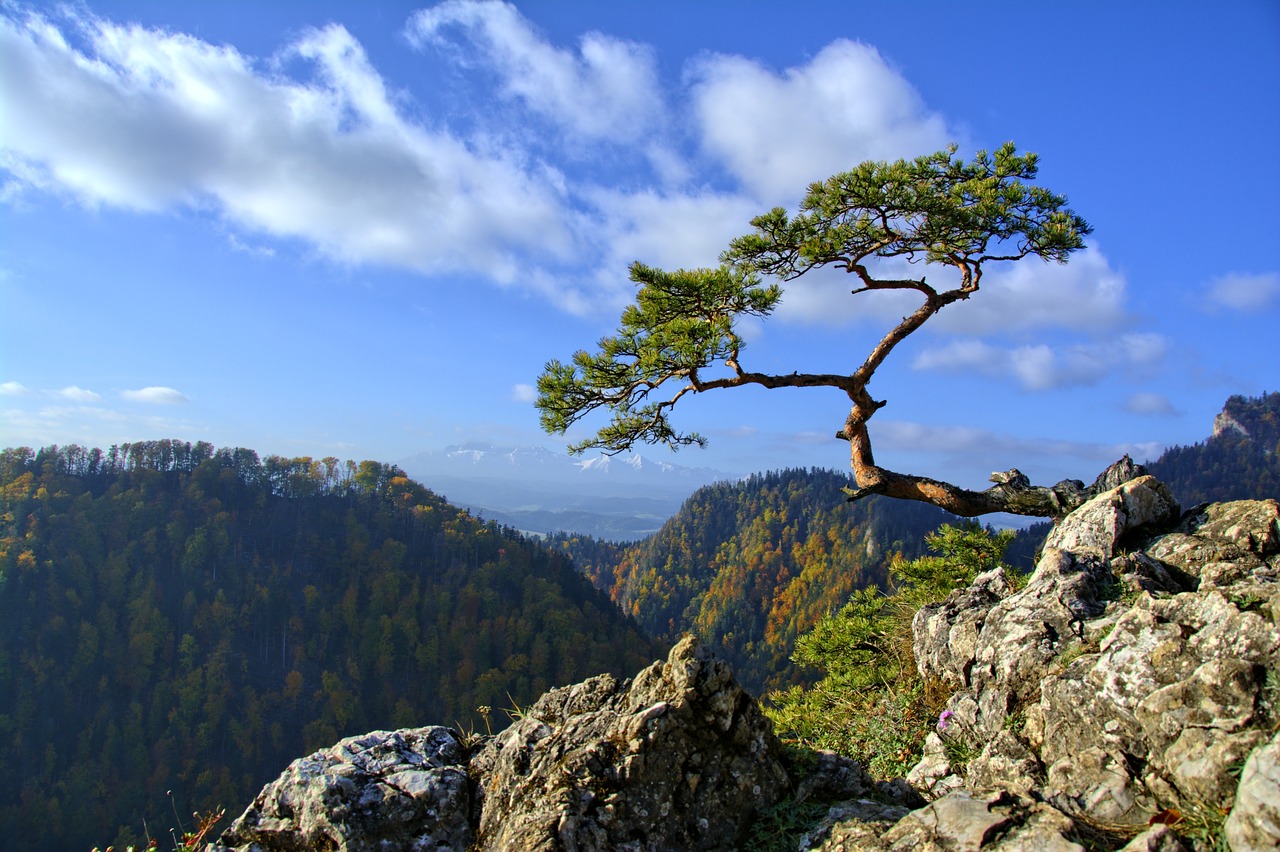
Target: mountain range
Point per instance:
(537, 490)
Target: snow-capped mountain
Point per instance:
(538, 489)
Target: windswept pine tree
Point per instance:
(179, 618)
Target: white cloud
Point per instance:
(149, 120)
(1149, 404)
(1085, 294)
(608, 89)
(155, 395)
(78, 394)
(523, 393)
(14, 389)
(777, 133)
(1244, 292)
(1038, 367)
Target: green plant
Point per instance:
(960, 752)
(779, 828)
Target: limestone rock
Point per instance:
(1157, 838)
(1254, 823)
(1134, 673)
(1104, 522)
(679, 758)
(405, 790)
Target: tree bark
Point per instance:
(1012, 493)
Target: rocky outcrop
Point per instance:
(1133, 681)
(1128, 696)
(679, 758)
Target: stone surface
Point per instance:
(403, 789)
(1135, 673)
(679, 758)
(1254, 823)
(964, 820)
(1104, 523)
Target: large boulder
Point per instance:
(679, 758)
(404, 790)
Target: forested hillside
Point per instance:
(179, 618)
(1241, 461)
(747, 566)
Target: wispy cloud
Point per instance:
(77, 394)
(155, 395)
(523, 393)
(1244, 292)
(1040, 367)
(607, 89)
(1001, 448)
(14, 389)
(1154, 404)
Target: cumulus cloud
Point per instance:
(1039, 367)
(608, 89)
(155, 395)
(1244, 292)
(1085, 294)
(13, 389)
(779, 132)
(149, 120)
(78, 394)
(523, 393)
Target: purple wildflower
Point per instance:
(944, 719)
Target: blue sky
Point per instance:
(360, 229)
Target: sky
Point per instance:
(361, 229)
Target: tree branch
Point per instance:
(1012, 493)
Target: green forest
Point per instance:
(179, 622)
(1241, 461)
(749, 565)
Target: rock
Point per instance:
(946, 633)
(1133, 674)
(679, 758)
(1006, 763)
(974, 820)
(1104, 522)
(1254, 823)
(1157, 838)
(405, 789)
(856, 824)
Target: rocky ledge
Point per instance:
(1127, 697)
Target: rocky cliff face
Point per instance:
(1127, 696)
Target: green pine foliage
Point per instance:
(179, 618)
(871, 703)
(748, 566)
